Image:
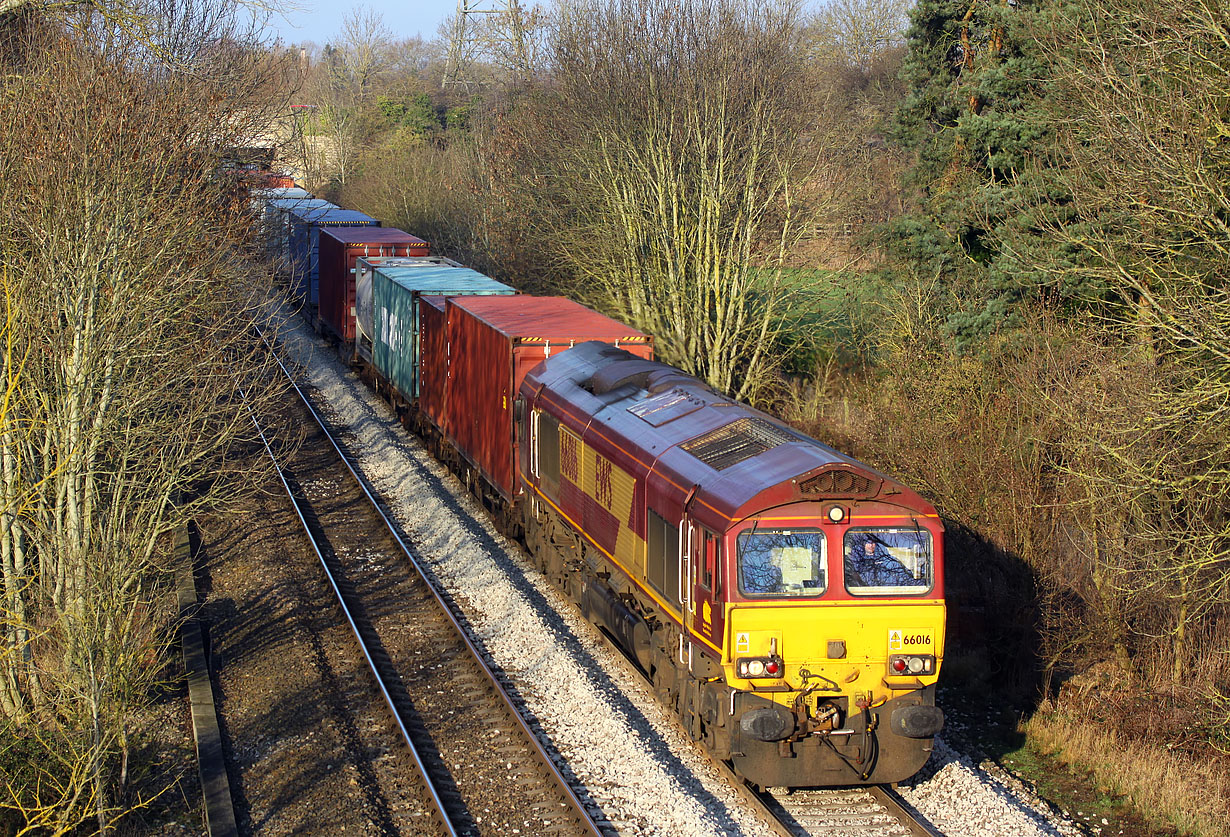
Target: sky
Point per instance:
(320, 20)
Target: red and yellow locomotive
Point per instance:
(786, 599)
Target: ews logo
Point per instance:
(602, 481)
(570, 456)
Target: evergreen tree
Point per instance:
(978, 120)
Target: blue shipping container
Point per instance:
(262, 197)
(304, 247)
(277, 225)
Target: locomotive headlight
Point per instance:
(836, 514)
(911, 664)
(754, 667)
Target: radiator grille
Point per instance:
(732, 443)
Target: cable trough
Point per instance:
(483, 769)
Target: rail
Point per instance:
(578, 809)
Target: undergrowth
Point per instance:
(1169, 788)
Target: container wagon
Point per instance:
(277, 224)
(304, 250)
(491, 343)
(260, 198)
(388, 294)
(340, 251)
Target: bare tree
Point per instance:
(1143, 123)
(855, 33)
(674, 157)
(498, 42)
(366, 51)
(341, 88)
(128, 305)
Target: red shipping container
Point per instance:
(271, 180)
(340, 248)
(433, 357)
(492, 342)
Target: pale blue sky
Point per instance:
(321, 20)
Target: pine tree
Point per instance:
(978, 120)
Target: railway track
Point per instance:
(482, 768)
(872, 811)
(852, 812)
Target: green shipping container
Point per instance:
(395, 314)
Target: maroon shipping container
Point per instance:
(492, 342)
(271, 180)
(340, 248)
(433, 357)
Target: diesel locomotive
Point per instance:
(785, 599)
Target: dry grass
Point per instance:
(1169, 789)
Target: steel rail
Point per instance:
(544, 758)
(903, 811)
(440, 810)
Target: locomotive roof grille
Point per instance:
(840, 483)
(732, 443)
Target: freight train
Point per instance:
(785, 600)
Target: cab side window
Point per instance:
(709, 562)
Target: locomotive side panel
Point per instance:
(595, 494)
